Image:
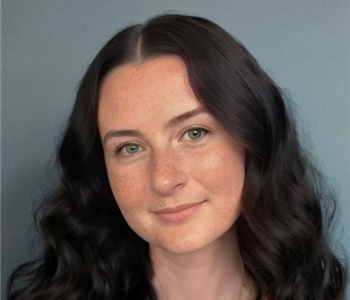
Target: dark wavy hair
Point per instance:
(89, 250)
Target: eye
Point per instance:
(195, 132)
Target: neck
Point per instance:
(214, 272)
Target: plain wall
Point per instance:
(47, 45)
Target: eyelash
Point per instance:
(206, 131)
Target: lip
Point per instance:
(177, 208)
(179, 213)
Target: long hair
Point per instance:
(90, 252)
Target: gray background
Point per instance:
(47, 45)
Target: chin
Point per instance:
(183, 245)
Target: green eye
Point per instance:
(132, 148)
(195, 133)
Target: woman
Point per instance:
(182, 178)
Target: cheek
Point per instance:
(131, 196)
(222, 173)
(221, 170)
(127, 185)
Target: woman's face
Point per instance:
(162, 166)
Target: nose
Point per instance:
(167, 172)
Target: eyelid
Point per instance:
(202, 129)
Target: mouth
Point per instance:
(179, 213)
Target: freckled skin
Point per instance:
(168, 168)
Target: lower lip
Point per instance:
(179, 216)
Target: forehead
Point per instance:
(136, 94)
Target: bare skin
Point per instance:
(168, 166)
(216, 272)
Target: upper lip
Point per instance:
(177, 208)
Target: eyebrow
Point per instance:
(173, 122)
